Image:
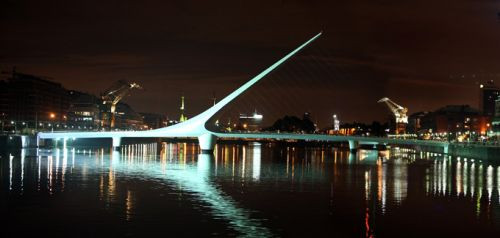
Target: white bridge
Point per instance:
(196, 126)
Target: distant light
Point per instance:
(481, 86)
(257, 116)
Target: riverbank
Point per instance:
(487, 152)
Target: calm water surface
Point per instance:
(250, 190)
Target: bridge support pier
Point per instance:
(207, 142)
(117, 142)
(353, 146)
(445, 149)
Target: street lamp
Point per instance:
(15, 126)
(52, 116)
(23, 127)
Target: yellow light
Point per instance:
(52, 115)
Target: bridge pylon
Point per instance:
(117, 142)
(207, 142)
(353, 146)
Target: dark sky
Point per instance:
(421, 53)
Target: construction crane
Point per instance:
(399, 113)
(113, 95)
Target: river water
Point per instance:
(254, 190)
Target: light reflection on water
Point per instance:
(382, 178)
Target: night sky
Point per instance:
(422, 54)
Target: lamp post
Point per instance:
(15, 126)
(52, 116)
(65, 119)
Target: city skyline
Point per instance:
(203, 52)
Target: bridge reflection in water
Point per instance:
(384, 176)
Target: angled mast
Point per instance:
(196, 125)
(211, 111)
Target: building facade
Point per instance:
(33, 102)
(127, 118)
(454, 121)
(496, 120)
(489, 93)
(416, 122)
(83, 112)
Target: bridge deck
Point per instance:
(276, 136)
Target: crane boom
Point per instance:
(119, 90)
(115, 93)
(398, 111)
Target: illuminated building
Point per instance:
(454, 119)
(335, 129)
(183, 117)
(250, 122)
(336, 123)
(488, 95)
(83, 112)
(496, 120)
